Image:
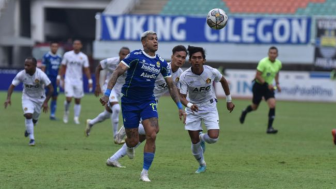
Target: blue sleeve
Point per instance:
(44, 60)
(132, 57)
(165, 69)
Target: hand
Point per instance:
(60, 83)
(182, 115)
(7, 102)
(45, 107)
(271, 87)
(90, 87)
(103, 100)
(194, 108)
(97, 91)
(230, 106)
(279, 88)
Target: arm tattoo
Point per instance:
(173, 91)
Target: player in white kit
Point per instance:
(72, 65)
(33, 96)
(198, 95)
(112, 108)
(177, 61)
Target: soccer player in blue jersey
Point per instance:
(138, 102)
(51, 62)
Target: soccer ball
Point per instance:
(217, 19)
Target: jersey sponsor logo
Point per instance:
(151, 76)
(76, 63)
(208, 81)
(158, 64)
(201, 89)
(32, 86)
(37, 81)
(150, 68)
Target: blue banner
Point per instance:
(245, 30)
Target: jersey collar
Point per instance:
(148, 55)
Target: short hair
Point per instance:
(192, 50)
(53, 42)
(32, 59)
(77, 40)
(124, 48)
(273, 47)
(179, 48)
(146, 33)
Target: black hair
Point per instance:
(77, 40)
(273, 47)
(32, 59)
(179, 48)
(193, 49)
(53, 42)
(124, 48)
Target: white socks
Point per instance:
(115, 118)
(101, 117)
(30, 128)
(66, 106)
(77, 109)
(197, 151)
(120, 153)
(141, 130)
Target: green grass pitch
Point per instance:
(301, 155)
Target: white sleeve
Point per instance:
(217, 74)
(183, 86)
(103, 64)
(45, 79)
(86, 62)
(65, 59)
(18, 78)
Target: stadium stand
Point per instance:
(149, 7)
(251, 7)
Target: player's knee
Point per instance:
(254, 107)
(195, 140)
(28, 116)
(151, 136)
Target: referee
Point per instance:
(267, 70)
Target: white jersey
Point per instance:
(161, 86)
(199, 88)
(74, 65)
(33, 85)
(110, 65)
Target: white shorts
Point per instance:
(73, 89)
(194, 120)
(30, 107)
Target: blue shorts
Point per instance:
(54, 84)
(134, 112)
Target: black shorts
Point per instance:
(260, 91)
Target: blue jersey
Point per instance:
(52, 64)
(141, 76)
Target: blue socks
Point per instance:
(148, 159)
(53, 105)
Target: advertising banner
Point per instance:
(297, 86)
(244, 30)
(325, 48)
